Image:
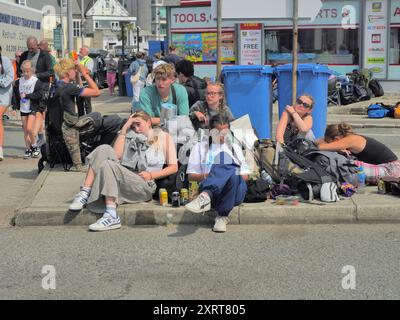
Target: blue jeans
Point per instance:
(225, 187)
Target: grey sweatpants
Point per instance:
(114, 180)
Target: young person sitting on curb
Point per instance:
(165, 90)
(69, 71)
(221, 169)
(296, 121)
(127, 172)
(202, 111)
(376, 158)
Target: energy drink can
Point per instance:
(193, 190)
(184, 196)
(175, 199)
(163, 194)
(381, 186)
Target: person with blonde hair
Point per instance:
(375, 157)
(68, 89)
(127, 172)
(31, 107)
(165, 90)
(296, 121)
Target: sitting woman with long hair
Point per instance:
(296, 121)
(376, 158)
(127, 172)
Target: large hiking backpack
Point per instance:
(311, 180)
(341, 168)
(376, 88)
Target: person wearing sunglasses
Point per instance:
(296, 121)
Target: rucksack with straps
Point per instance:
(376, 88)
(380, 110)
(311, 180)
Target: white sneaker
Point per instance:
(106, 222)
(201, 204)
(79, 201)
(1, 154)
(220, 224)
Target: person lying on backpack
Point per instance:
(220, 167)
(67, 90)
(376, 158)
(127, 172)
(296, 121)
(165, 90)
(202, 111)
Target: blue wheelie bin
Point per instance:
(312, 79)
(128, 85)
(248, 91)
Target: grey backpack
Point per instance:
(338, 166)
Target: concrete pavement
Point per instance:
(48, 200)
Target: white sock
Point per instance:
(87, 190)
(112, 211)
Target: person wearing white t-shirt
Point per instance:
(220, 167)
(31, 108)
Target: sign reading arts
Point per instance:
(251, 43)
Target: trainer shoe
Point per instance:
(77, 168)
(79, 201)
(106, 222)
(35, 152)
(220, 224)
(201, 204)
(28, 154)
(1, 154)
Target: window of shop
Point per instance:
(394, 49)
(328, 46)
(333, 38)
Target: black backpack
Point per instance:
(309, 178)
(257, 191)
(376, 88)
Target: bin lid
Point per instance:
(254, 68)
(313, 67)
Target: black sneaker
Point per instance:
(35, 152)
(28, 154)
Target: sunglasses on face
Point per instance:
(299, 102)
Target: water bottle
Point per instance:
(361, 180)
(266, 177)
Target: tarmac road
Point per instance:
(247, 262)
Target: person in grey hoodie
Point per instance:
(138, 71)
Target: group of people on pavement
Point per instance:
(143, 153)
(218, 164)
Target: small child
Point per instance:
(30, 92)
